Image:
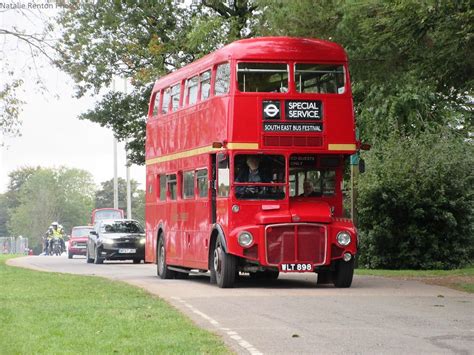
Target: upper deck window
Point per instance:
(156, 104)
(222, 79)
(166, 101)
(205, 85)
(262, 77)
(175, 94)
(319, 78)
(192, 86)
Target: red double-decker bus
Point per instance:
(245, 155)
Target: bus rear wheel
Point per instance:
(224, 266)
(161, 267)
(344, 273)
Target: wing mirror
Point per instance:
(93, 233)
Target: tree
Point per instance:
(47, 195)
(104, 197)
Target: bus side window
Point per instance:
(175, 96)
(223, 175)
(172, 186)
(188, 184)
(162, 179)
(166, 101)
(222, 83)
(192, 90)
(205, 85)
(156, 104)
(202, 183)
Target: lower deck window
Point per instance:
(172, 186)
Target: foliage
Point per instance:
(106, 39)
(88, 315)
(104, 197)
(416, 204)
(47, 195)
(10, 108)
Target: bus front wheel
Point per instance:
(161, 266)
(224, 266)
(344, 273)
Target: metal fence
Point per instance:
(14, 245)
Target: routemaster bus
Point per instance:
(245, 156)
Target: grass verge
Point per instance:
(459, 279)
(48, 313)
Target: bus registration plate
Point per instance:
(296, 267)
(127, 251)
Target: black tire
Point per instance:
(137, 261)
(224, 265)
(161, 267)
(97, 258)
(69, 255)
(324, 277)
(343, 274)
(88, 259)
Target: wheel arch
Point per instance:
(216, 233)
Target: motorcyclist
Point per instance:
(57, 232)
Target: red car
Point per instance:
(78, 242)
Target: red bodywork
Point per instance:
(78, 240)
(285, 231)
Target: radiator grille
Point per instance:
(292, 243)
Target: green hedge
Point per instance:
(416, 204)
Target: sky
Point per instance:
(51, 133)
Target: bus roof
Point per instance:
(261, 48)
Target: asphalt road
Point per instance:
(293, 315)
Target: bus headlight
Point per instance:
(245, 239)
(343, 238)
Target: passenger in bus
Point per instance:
(308, 189)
